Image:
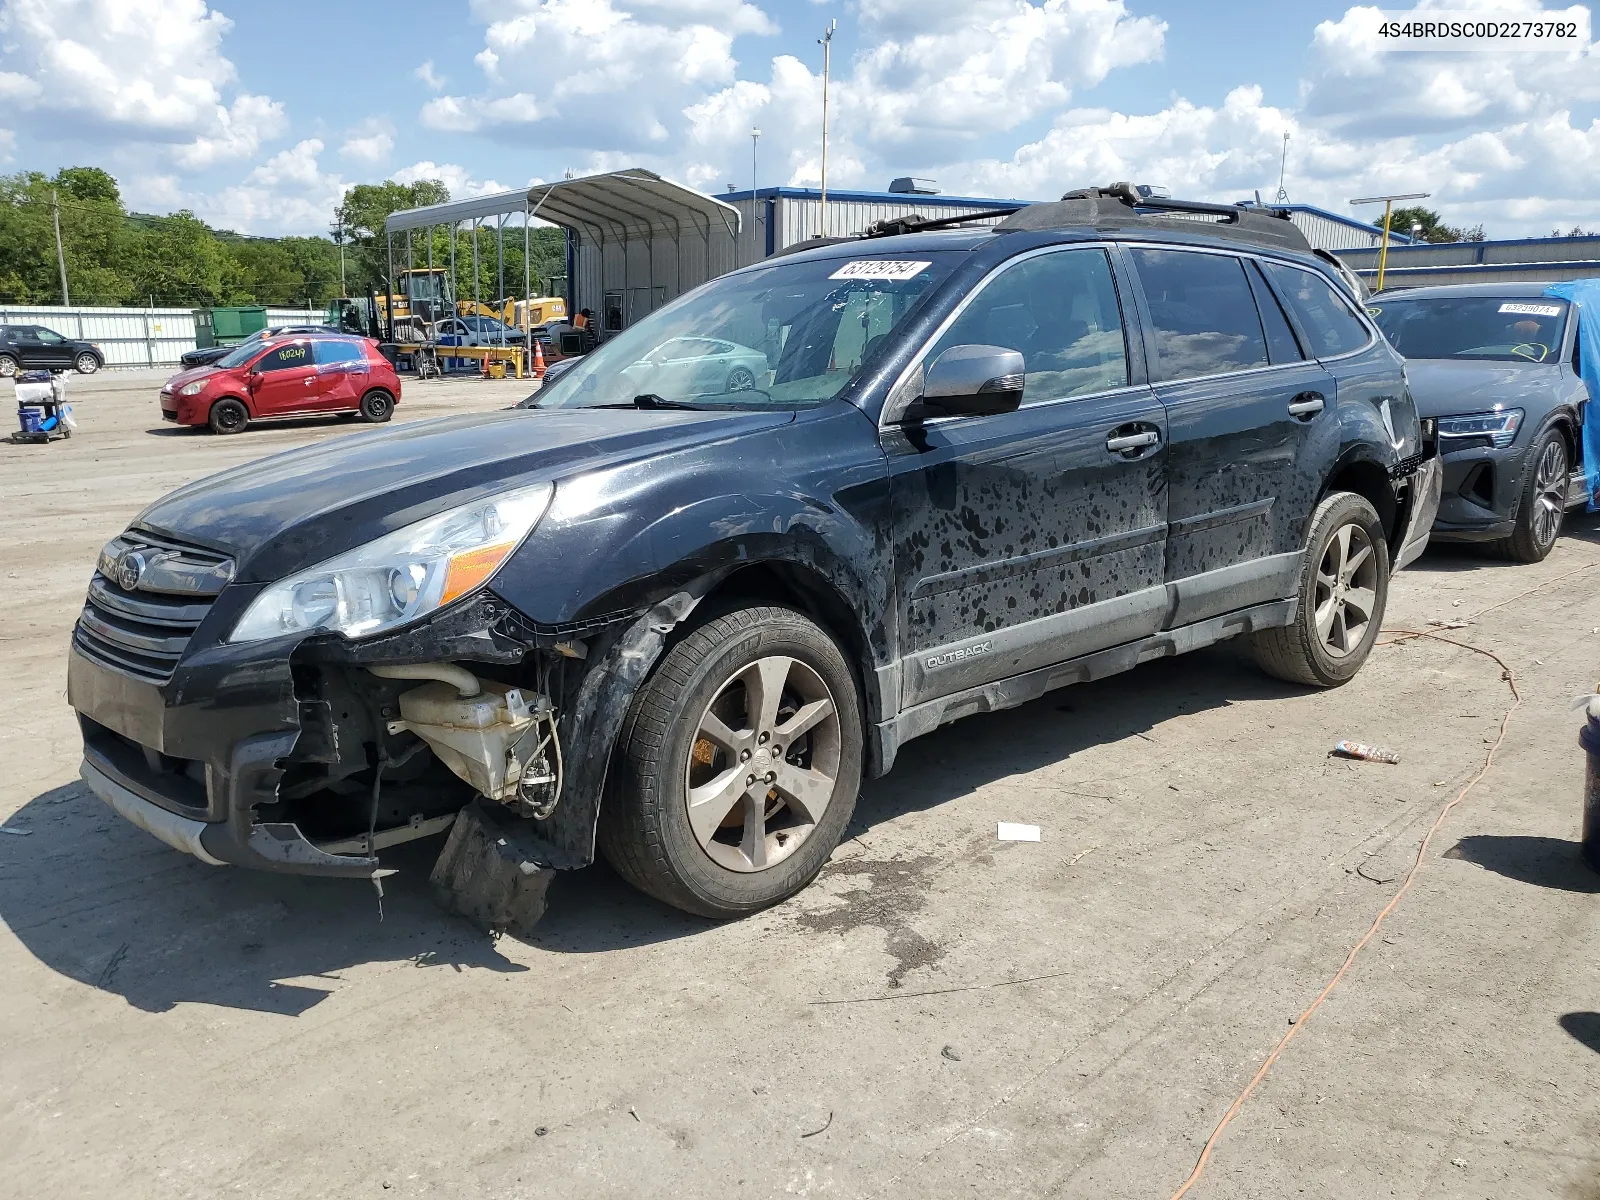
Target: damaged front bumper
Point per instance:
(1424, 487)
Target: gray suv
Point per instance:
(1496, 364)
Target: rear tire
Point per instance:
(87, 363)
(1542, 504)
(1344, 587)
(228, 416)
(758, 694)
(377, 406)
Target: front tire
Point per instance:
(87, 363)
(737, 767)
(228, 416)
(1543, 503)
(8, 366)
(377, 406)
(1344, 587)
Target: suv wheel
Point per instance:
(87, 363)
(377, 406)
(8, 366)
(1543, 502)
(228, 416)
(1344, 585)
(737, 767)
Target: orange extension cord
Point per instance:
(1510, 677)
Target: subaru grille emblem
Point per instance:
(130, 569)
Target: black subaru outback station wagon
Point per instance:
(679, 616)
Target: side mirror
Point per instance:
(971, 381)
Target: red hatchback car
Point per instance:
(284, 377)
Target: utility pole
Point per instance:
(755, 221)
(826, 42)
(1388, 214)
(61, 255)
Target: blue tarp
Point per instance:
(1584, 294)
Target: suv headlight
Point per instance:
(1499, 428)
(401, 576)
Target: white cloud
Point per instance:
(431, 79)
(369, 142)
(151, 70)
(457, 178)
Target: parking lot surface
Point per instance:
(939, 1014)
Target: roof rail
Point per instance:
(1122, 206)
(896, 226)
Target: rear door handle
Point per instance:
(1306, 404)
(1130, 443)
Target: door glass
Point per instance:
(1324, 315)
(284, 358)
(1204, 315)
(1060, 311)
(1281, 343)
(50, 337)
(336, 352)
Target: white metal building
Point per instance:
(1544, 260)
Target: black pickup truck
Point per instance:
(678, 611)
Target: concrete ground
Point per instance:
(939, 1014)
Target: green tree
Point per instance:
(361, 215)
(93, 231)
(1433, 228)
(180, 261)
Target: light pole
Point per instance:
(826, 42)
(755, 221)
(1388, 214)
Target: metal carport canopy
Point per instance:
(630, 203)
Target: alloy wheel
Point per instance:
(764, 764)
(1346, 592)
(1550, 492)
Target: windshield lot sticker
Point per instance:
(880, 268)
(1532, 310)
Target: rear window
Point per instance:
(1475, 328)
(1204, 315)
(1325, 316)
(336, 352)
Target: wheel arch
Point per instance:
(1357, 472)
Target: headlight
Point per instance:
(193, 389)
(1499, 427)
(400, 577)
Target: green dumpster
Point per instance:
(225, 326)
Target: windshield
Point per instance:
(1493, 328)
(790, 335)
(242, 353)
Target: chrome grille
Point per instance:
(144, 629)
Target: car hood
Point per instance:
(187, 377)
(1446, 387)
(283, 513)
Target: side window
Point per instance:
(50, 337)
(295, 354)
(1324, 315)
(1060, 311)
(1204, 315)
(1281, 344)
(336, 352)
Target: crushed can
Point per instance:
(1589, 739)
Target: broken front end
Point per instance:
(305, 750)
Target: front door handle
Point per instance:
(1133, 444)
(1306, 405)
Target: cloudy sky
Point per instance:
(256, 116)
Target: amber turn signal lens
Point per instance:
(472, 567)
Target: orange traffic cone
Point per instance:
(538, 360)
